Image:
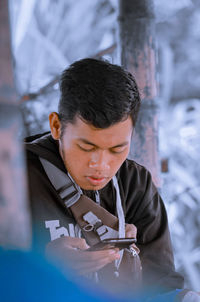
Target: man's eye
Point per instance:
(86, 149)
(118, 150)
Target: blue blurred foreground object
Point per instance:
(28, 277)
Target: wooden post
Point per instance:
(137, 54)
(15, 227)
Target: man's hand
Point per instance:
(131, 231)
(69, 251)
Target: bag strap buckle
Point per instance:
(95, 224)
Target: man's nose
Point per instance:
(99, 161)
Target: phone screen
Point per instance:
(120, 243)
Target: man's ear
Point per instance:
(55, 125)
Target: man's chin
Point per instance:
(93, 188)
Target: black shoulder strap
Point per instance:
(67, 190)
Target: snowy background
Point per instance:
(48, 35)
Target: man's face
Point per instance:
(93, 156)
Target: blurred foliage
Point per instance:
(180, 144)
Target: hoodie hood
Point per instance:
(43, 145)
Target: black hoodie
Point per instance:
(141, 202)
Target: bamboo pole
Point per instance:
(137, 53)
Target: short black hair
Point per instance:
(98, 92)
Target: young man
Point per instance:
(90, 140)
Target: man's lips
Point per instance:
(96, 180)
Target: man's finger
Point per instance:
(80, 243)
(131, 231)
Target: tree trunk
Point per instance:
(137, 55)
(14, 213)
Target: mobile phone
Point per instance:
(110, 243)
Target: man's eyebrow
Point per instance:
(85, 141)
